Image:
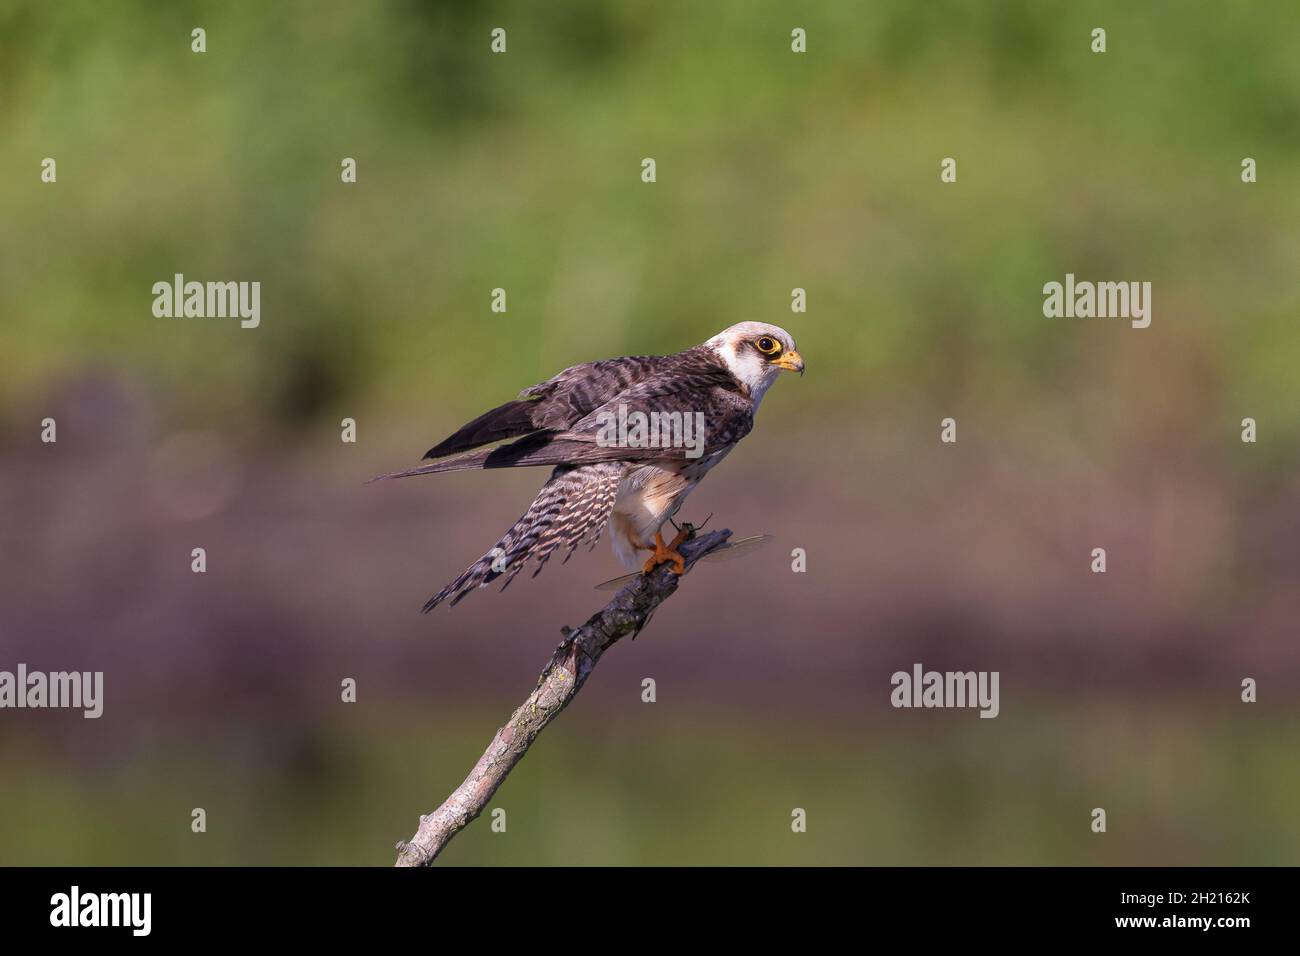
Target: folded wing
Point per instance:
(562, 422)
(554, 404)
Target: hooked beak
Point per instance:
(791, 361)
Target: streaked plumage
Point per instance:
(631, 490)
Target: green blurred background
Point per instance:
(775, 171)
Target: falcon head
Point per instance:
(756, 353)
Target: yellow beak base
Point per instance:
(791, 361)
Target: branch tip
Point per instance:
(627, 613)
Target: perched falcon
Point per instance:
(608, 470)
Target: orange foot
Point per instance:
(663, 554)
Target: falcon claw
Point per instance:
(663, 554)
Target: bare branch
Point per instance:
(560, 681)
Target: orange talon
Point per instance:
(665, 553)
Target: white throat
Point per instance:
(755, 374)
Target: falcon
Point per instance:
(629, 484)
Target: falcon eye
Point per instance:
(768, 345)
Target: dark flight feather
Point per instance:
(560, 422)
(568, 397)
(505, 421)
(727, 415)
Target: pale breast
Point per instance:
(649, 495)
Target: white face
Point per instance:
(756, 353)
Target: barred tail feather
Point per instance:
(571, 509)
(482, 572)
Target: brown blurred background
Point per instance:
(775, 170)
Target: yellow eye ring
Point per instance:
(767, 345)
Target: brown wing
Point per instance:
(556, 403)
(693, 382)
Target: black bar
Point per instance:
(329, 905)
